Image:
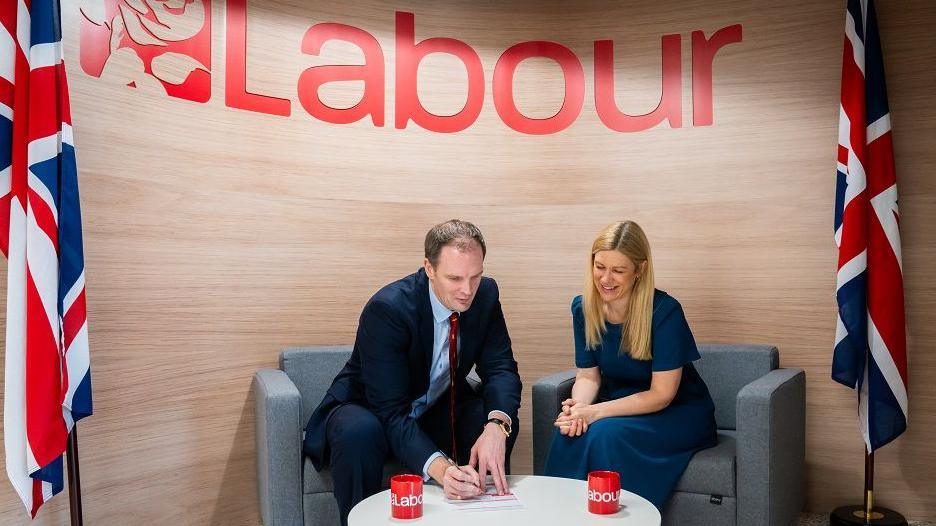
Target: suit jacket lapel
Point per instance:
(426, 321)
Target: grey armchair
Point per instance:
(291, 491)
(754, 475)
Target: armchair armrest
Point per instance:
(548, 394)
(771, 435)
(279, 447)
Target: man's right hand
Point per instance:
(458, 482)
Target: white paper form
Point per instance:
(489, 501)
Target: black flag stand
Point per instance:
(74, 479)
(866, 514)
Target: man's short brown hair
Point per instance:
(454, 231)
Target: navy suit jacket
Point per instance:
(389, 366)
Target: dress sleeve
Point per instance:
(672, 341)
(584, 358)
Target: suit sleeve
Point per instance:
(496, 366)
(382, 340)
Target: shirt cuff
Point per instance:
(428, 463)
(502, 415)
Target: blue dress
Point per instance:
(649, 451)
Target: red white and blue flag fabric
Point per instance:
(48, 379)
(870, 343)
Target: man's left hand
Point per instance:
(487, 455)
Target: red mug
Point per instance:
(406, 496)
(604, 490)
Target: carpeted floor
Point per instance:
(816, 519)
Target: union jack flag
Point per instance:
(48, 378)
(870, 343)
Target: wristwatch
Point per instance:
(504, 426)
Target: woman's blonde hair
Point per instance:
(629, 239)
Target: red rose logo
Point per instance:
(162, 46)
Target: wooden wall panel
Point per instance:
(215, 236)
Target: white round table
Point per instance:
(546, 500)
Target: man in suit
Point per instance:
(398, 394)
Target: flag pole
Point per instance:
(869, 485)
(867, 514)
(74, 479)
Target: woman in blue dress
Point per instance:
(638, 405)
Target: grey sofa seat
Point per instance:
(754, 476)
(712, 471)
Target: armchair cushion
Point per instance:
(726, 368)
(312, 369)
(712, 470)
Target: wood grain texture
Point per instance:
(215, 237)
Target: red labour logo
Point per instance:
(161, 46)
(164, 46)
